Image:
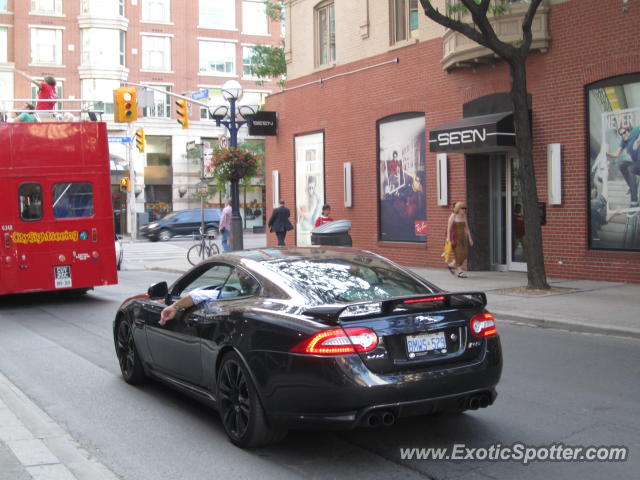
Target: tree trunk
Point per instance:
(533, 232)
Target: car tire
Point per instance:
(241, 412)
(128, 358)
(164, 235)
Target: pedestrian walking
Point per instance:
(279, 223)
(459, 235)
(225, 225)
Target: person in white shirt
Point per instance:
(225, 225)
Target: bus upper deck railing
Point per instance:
(87, 110)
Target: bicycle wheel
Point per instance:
(194, 255)
(213, 249)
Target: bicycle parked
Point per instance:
(204, 248)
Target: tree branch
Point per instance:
(527, 35)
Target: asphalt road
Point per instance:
(557, 386)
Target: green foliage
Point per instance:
(275, 9)
(268, 62)
(497, 7)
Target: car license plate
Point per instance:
(62, 275)
(425, 343)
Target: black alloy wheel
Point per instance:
(240, 409)
(130, 365)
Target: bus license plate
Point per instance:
(62, 275)
(425, 343)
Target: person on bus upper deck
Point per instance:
(27, 116)
(46, 91)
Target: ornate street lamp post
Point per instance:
(226, 115)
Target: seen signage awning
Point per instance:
(474, 134)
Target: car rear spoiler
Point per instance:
(408, 304)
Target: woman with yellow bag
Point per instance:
(458, 239)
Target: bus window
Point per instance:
(72, 200)
(30, 201)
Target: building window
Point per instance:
(46, 6)
(156, 53)
(158, 151)
(217, 57)
(101, 92)
(215, 98)
(158, 11)
(218, 14)
(247, 55)
(404, 16)
(46, 46)
(326, 33)
(3, 5)
(102, 47)
(103, 8)
(3, 45)
(254, 98)
(161, 107)
(254, 17)
(613, 124)
(402, 174)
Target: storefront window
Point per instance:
(309, 184)
(403, 211)
(614, 163)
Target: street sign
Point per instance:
(119, 139)
(202, 187)
(200, 94)
(223, 141)
(191, 145)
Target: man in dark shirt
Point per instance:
(279, 223)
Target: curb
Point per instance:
(608, 330)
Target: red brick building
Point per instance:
(191, 47)
(370, 79)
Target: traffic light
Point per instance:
(125, 186)
(183, 114)
(140, 140)
(125, 104)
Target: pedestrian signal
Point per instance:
(183, 114)
(125, 104)
(140, 140)
(125, 186)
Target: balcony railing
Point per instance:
(461, 52)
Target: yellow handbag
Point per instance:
(446, 254)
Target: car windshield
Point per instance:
(341, 281)
(169, 215)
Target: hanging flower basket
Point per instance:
(231, 164)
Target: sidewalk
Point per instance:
(33, 446)
(608, 308)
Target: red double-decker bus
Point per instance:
(56, 218)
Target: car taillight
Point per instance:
(338, 341)
(483, 325)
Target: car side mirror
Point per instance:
(158, 290)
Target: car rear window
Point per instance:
(341, 281)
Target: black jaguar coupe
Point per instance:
(312, 337)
